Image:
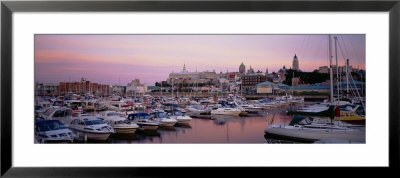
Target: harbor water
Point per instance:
(211, 129)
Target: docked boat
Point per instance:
(92, 127)
(163, 119)
(48, 131)
(226, 111)
(120, 124)
(45, 104)
(248, 107)
(197, 109)
(353, 114)
(303, 129)
(63, 114)
(180, 117)
(267, 103)
(144, 121)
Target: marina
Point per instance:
(155, 125)
(289, 105)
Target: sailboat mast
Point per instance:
(337, 71)
(347, 77)
(330, 68)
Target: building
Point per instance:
(118, 90)
(310, 88)
(341, 69)
(135, 87)
(187, 78)
(323, 69)
(295, 65)
(295, 81)
(250, 81)
(42, 89)
(154, 88)
(242, 68)
(250, 71)
(83, 87)
(266, 87)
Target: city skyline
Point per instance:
(118, 59)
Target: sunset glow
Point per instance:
(118, 59)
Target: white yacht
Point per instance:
(180, 117)
(226, 111)
(163, 119)
(302, 128)
(52, 131)
(144, 121)
(45, 104)
(92, 127)
(248, 107)
(197, 109)
(63, 114)
(120, 124)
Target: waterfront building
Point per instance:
(135, 87)
(206, 77)
(83, 87)
(250, 81)
(42, 89)
(266, 87)
(342, 69)
(153, 88)
(310, 88)
(295, 65)
(118, 90)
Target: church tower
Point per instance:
(295, 65)
(242, 68)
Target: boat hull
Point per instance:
(316, 134)
(125, 130)
(167, 124)
(184, 121)
(230, 113)
(148, 127)
(95, 136)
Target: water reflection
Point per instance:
(214, 129)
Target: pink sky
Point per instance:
(118, 59)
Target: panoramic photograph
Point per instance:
(200, 88)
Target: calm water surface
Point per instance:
(212, 129)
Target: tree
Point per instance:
(305, 77)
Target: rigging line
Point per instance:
(341, 52)
(327, 54)
(357, 90)
(344, 45)
(305, 45)
(302, 44)
(319, 47)
(354, 50)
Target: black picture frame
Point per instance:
(8, 7)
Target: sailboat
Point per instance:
(318, 125)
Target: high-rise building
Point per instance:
(242, 68)
(295, 65)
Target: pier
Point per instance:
(247, 96)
